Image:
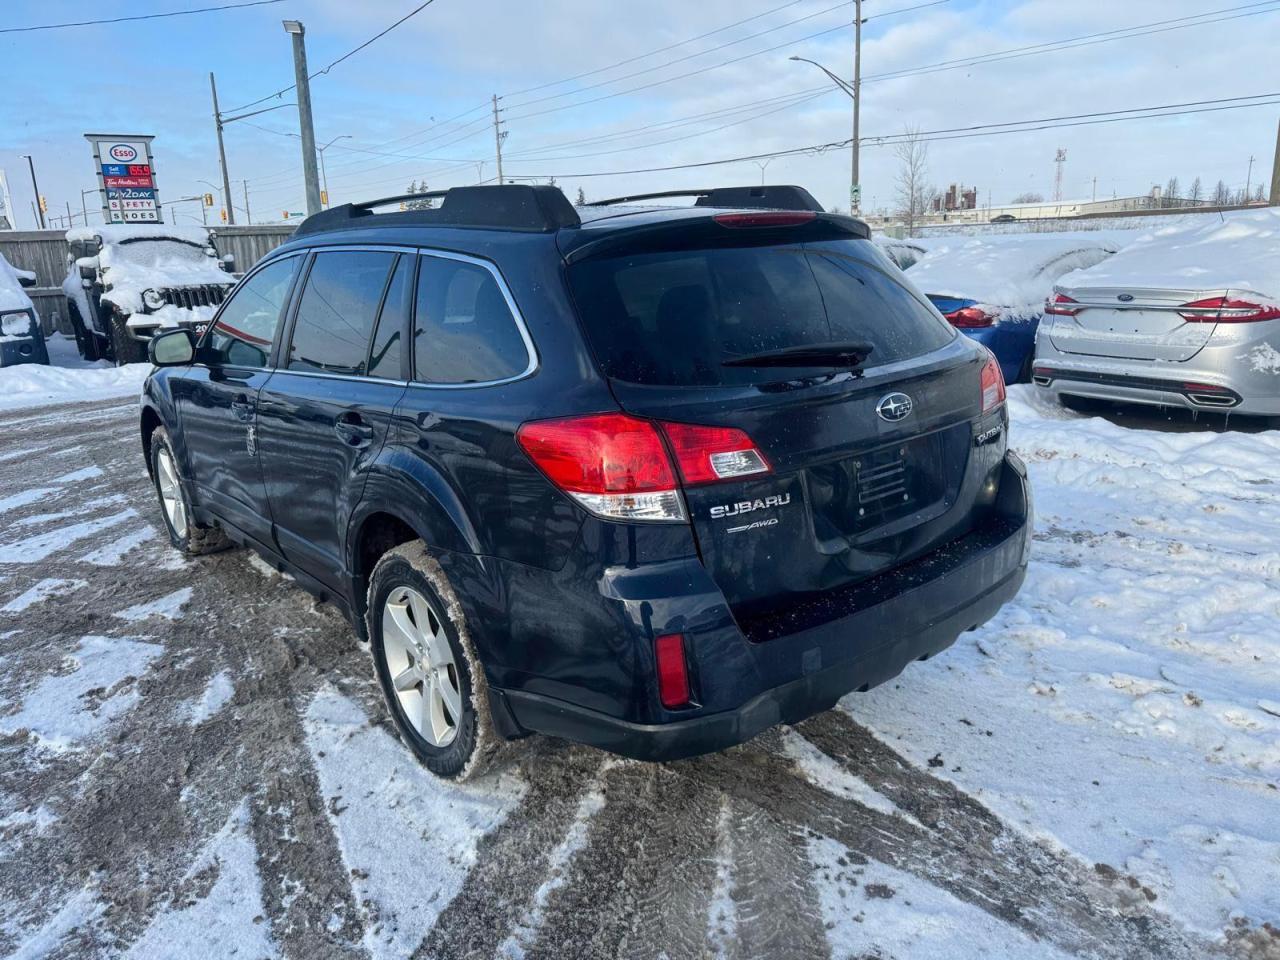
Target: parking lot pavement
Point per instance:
(194, 761)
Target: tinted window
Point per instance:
(388, 339)
(673, 318)
(337, 310)
(463, 329)
(247, 324)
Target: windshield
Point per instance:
(674, 318)
(155, 252)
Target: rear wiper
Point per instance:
(848, 355)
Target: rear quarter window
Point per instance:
(674, 318)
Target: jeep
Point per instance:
(125, 282)
(650, 478)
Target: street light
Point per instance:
(83, 207)
(324, 176)
(852, 90)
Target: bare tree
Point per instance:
(1029, 197)
(582, 198)
(1221, 194)
(913, 166)
(1258, 195)
(1172, 189)
(1196, 193)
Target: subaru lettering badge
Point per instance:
(1125, 298)
(893, 407)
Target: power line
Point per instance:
(931, 68)
(683, 59)
(141, 16)
(329, 66)
(995, 129)
(651, 53)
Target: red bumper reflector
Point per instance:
(673, 676)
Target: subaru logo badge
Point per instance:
(894, 407)
(1125, 298)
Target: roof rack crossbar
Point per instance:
(773, 197)
(515, 206)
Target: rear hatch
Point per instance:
(1132, 323)
(851, 492)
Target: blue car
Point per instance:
(993, 288)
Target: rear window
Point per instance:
(674, 318)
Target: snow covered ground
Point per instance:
(67, 379)
(195, 752)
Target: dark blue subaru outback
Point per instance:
(652, 478)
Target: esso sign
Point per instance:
(123, 153)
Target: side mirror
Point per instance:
(26, 278)
(173, 348)
(229, 263)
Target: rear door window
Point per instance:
(388, 338)
(337, 311)
(674, 318)
(464, 330)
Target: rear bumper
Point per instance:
(1237, 371)
(907, 614)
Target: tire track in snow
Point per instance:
(964, 848)
(499, 894)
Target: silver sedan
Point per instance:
(1185, 318)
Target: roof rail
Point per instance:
(514, 206)
(776, 197)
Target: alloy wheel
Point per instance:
(175, 508)
(419, 661)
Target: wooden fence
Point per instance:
(45, 253)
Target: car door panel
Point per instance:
(321, 417)
(217, 401)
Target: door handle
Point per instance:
(242, 408)
(353, 431)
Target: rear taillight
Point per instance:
(618, 466)
(765, 218)
(673, 674)
(1062, 306)
(1225, 310)
(708, 454)
(970, 317)
(992, 384)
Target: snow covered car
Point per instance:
(904, 253)
(1183, 316)
(21, 339)
(994, 288)
(126, 282)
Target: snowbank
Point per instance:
(1011, 274)
(1124, 704)
(68, 379)
(1241, 252)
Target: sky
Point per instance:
(584, 96)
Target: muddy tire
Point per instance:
(86, 339)
(124, 348)
(192, 538)
(427, 667)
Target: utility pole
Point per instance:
(1095, 189)
(1059, 159)
(222, 152)
(35, 188)
(497, 137)
(855, 183)
(324, 177)
(1248, 180)
(245, 184)
(309, 171)
(69, 220)
(1275, 173)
